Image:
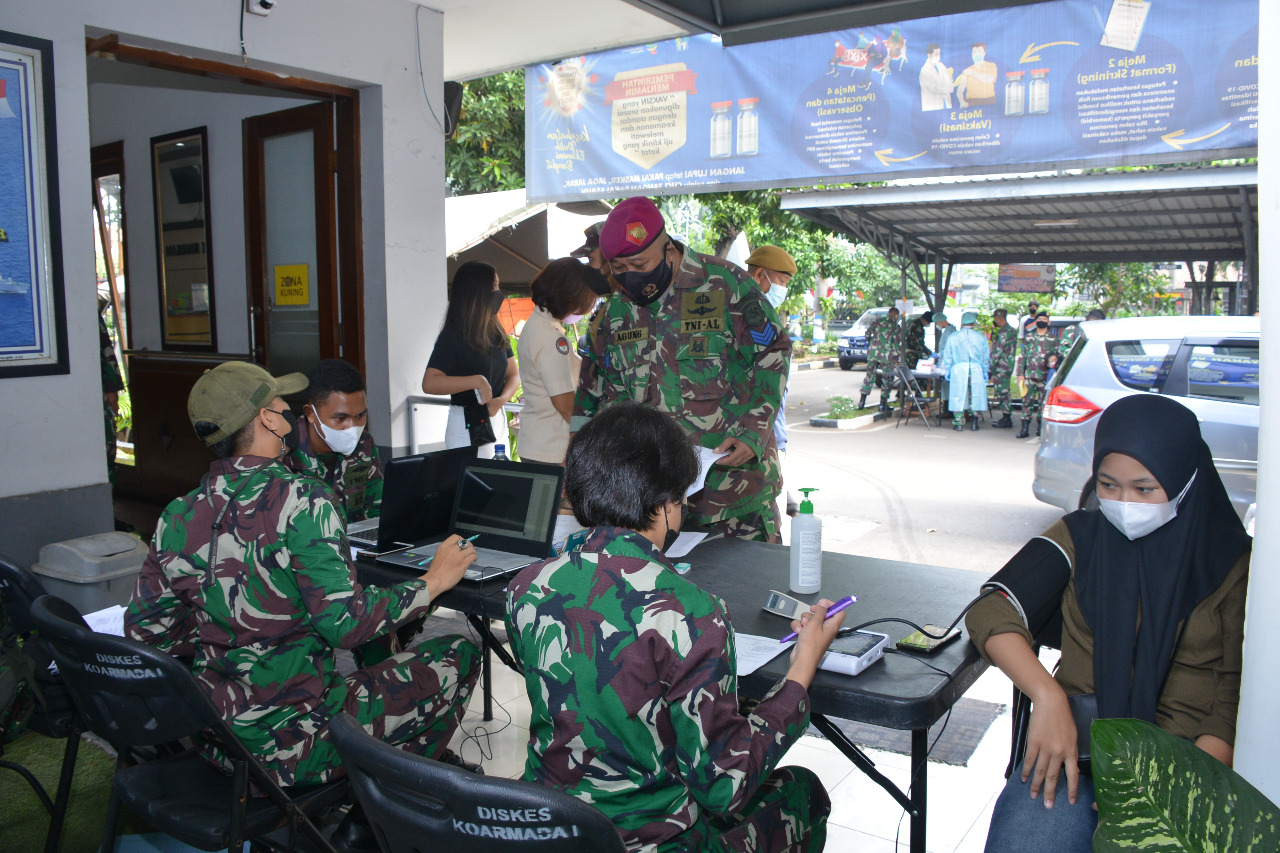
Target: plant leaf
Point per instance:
(1159, 792)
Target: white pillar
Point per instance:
(1257, 747)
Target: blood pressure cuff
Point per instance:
(1033, 581)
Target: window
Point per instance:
(1143, 365)
(1226, 371)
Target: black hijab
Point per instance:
(1162, 575)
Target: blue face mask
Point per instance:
(776, 294)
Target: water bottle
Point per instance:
(806, 548)
(500, 453)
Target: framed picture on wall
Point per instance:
(180, 178)
(33, 330)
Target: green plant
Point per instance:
(841, 407)
(1159, 792)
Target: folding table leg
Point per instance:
(919, 787)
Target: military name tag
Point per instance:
(627, 336)
(702, 312)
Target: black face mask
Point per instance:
(645, 287)
(1042, 324)
(288, 441)
(496, 300)
(673, 533)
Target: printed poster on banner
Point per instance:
(1054, 84)
(1026, 278)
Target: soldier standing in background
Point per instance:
(882, 354)
(1037, 353)
(915, 347)
(1004, 344)
(1068, 337)
(692, 335)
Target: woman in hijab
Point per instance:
(1145, 598)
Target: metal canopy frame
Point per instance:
(1200, 214)
(748, 21)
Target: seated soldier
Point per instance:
(334, 445)
(250, 575)
(631, 668)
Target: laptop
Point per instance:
(417, 501)
(510, 507)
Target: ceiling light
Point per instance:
(1054, 223)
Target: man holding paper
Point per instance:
(694, 336)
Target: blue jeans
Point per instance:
(1020, 824)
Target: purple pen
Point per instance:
(835, 608)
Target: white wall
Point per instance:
(1257, 746)
(134, 114)
(53, 429)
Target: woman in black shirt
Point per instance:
(472, 361)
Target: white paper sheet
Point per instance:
(1124, 25)
(684, 543)
(755, 651)
(706, 456)
(109, 620)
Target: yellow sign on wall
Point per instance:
(292, 285)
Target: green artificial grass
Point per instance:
(23, 820)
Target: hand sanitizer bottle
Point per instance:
(806, 548)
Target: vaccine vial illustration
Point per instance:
(721, 129)
(1015, 93)
(1038, 92)
(748, 127)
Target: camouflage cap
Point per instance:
(230, 395)
(591, 243)
(772, 258)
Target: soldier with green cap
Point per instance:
(694, 336)
(250, 575)
(882, 354)
(1004, 343)
(1035, 361)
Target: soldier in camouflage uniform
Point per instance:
(1071, 333)
(1034, 363)
(250, 574)
(1004, 344)
(882, 355)
(631, 668)
(914, 347)
(334, 446)
(692, 335)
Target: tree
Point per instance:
(486, 152)
(1122, 290)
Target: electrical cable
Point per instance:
(845, 632)
(244, 54)
(422, 79)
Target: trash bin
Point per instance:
(92, 572)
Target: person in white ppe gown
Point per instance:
(966, 361)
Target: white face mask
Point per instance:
(776, 294)
(339, 440)
(570, 319)
(1136, 520)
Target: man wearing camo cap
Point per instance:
(693, 335)
(250, 574)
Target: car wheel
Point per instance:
(846, 364)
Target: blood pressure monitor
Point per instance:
(784, 605)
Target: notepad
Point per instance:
(1124, 25)
(755, 651)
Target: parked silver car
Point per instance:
(1210, 364)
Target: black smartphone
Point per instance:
(918, 642)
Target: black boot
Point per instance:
(1039, 424)
(1006, 422)
(1026, 428)
(862, 403)
(973, 424)
(452, 758)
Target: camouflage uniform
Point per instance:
(882, 354)
(631, 673)
(356, 479)
(914, 346)
(1036, 350)
(712, 353)
(263, 623)
(1004, 343)
(1066, 340)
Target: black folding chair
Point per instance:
(55, 715)
(133, 695)
(415, 804)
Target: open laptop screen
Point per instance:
(511, 503)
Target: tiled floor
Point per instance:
(863, 817)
